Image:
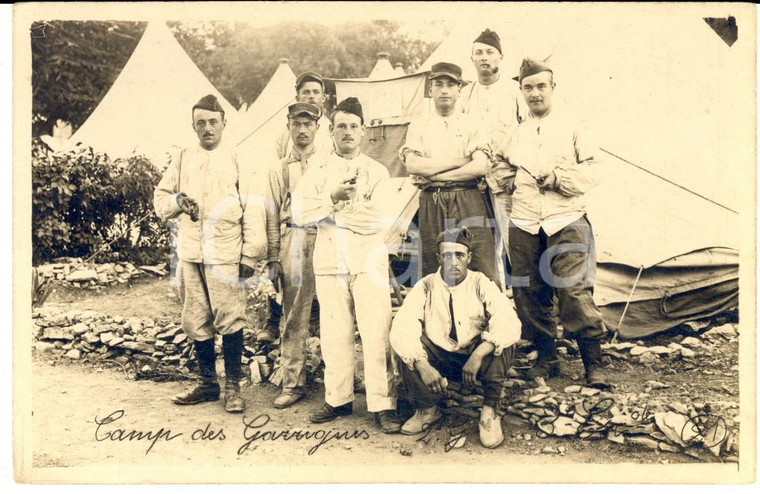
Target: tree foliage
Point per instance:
(74, 64)
(81, 201)
(240, 59)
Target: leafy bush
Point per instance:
(81, 201)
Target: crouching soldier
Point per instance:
(220, 237)
(457, 325)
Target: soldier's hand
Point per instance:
(470, 370)
(509, 186)
(274, 269)
(188, 205)
(246, 271)
(547, 181)
(344, 191)
(431, 377)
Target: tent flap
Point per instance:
(647, 317)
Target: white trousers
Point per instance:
(340, 296)
(502, 207)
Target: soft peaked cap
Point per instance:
(445, 69)
(298, 109)
(490, 38)
(309, 76)
(531, 67)
(210, 103)
(350, 105)
(458, 235)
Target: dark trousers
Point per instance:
(444, 209)
(492, 373)
(565, 264)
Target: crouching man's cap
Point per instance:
(457, 235)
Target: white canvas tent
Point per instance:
(148, 108)
(648, 95)
(274, 99)
(383, 68)
(665, 217)
(266, 117)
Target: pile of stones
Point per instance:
(151, 348)
(649, 419)
(72, 271)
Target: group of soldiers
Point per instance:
(497, 177)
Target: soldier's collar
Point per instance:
(296, 155)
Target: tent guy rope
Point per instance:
(669, 181)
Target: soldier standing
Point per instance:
(448, 155)
(290, 249)
(219, 242)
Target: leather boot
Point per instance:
(271, 330)
(591, 353)
(548, 363)
(208, 387)
(232, 345)
(328, 413)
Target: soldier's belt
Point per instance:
(307, 228)
(450, 187)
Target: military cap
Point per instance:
(350, 105)
(490, 38)
(459, 235)
(210, 103)
(531, 67)
(298, 109)
(445, 69)
(309, 76)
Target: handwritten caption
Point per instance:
(253, 431)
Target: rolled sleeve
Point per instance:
(414, 142)
(165, 195)
(503, 326)
(577, 178)
(480, 139)
(406, 329)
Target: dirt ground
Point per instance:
(91, 415)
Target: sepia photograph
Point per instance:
(384, 242)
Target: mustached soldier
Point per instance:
(220, 239)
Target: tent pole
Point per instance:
(627, 303)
